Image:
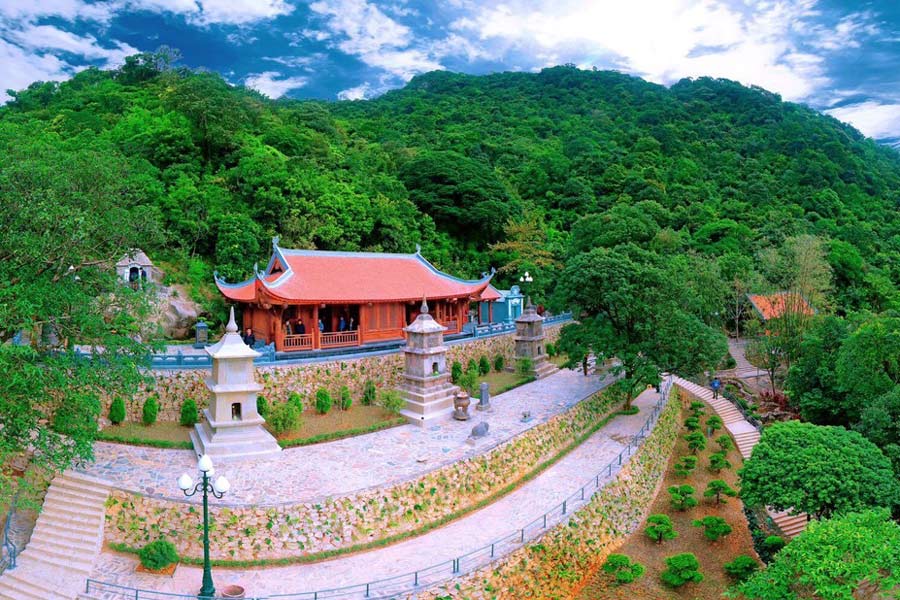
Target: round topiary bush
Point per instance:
(369, 393)
(158, 555)
(624, 570)
(189, 415)
(499, 363)
(456, 371)
(117, 411)
(682, 568)
(283, 418)
(323, 401)
(296, 400)
(262, 407)
(742, 567)
(346, 400)
(484, 365)
(150, 411)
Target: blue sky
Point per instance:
(841, 57)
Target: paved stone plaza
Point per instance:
(473, 531)
(338, 468)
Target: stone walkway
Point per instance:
(341, 467)
(512, 512)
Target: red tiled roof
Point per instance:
(352, 277)
(490, 293)
(775, 305)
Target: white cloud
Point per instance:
(360, 92)
(272, 84)
(19, 69)
(364, 31)
(240, 12)
(48, 37)
(297, 62)
(69, 10)
(871, 117)
(666, 41)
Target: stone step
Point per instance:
(21, 584)
(90, 480)
(80, 537)
(73, 513)
(75, 495)
(65, 548)
(68, 505)
(80, 487)
(53, 523)
(65, 565)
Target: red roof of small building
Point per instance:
(313, 276)
(772, 306)
(490, 294)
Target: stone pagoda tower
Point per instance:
(530, 342)
(232, 428)
(426, 383)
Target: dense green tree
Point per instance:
(714, 528)
(868, 363)
(852, 556)
(812, 383)
(659, 528)
(818, 470)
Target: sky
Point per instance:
(841, 57)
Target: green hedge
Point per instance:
(336, 435)
(121, 439)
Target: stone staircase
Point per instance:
(64, 544)
(743, 369)
(745, 438)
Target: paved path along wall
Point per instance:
(517, 509)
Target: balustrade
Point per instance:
(336, 339)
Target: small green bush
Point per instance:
(698, 408)
(742, 567)
(456, 371)
(346, 400)
(685, 465)
(158, 555)
(696, 441)
(117, 411)
(499, 363)
(725, 443)
(525, 366)
(189, 415)
(551, 349)
(714, 422)
(468, 381)
(774, 543)
(717, 462)
(472, 366)
(713, 527)
(323, 401)
(262, 407)
(296, 400)
(484, 365)
(682, 568)
(681, 497)
(283, 418)
(692, 423)
(622, 567)
(392, 401)
(659, 528)
(150, 411)
(370, 394)
(718, 489)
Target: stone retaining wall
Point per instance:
(254, 533)
(555, 565)
(173, 387)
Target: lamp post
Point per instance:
(526, 278)
(204, 486)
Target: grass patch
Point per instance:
(380, 543)
(162, 434)
(712, 556)
(502, 381)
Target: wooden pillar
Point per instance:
(480, 303)
(279, 329)
(315, 326)
(363, 319)
(490, 311)
(460, 314)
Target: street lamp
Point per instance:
(217, 489)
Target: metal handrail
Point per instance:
(417, 580)
(9, 551)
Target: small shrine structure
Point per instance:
(531, 344)
(312, 299)
(232, 428)
(136, 268)
(426, 385)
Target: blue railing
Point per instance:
(417, 581)
(8, 550)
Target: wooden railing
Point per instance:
(338, 338)
(452, 325)
(299, 341)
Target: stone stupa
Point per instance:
(426, 383)
(232, 428)
(531, 343)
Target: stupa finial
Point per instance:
(424, 308)
(529, 305)
(232, 324)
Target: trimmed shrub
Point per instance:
(484, 365)
(692, 423)
(150, 411)
(714, 422)
(468, 381)
(370, 394)
(681, 497)
(698, 408)
(499, 363)
(346, 400)
(262, 406)
(117, 411)
(189, 415)
(742, 567)
(725, 443)
(622, 567)
(158, 555)
(717, 489)
(682, 568)
(660, 528)
(773, 543)
(717, 462)
(284, 418)
(392, 401)
(685, 466)
(456, 371)
(696, 441)
(323, 401)
(296, 400)
(713, 527)
(551, 349)
(525, 366)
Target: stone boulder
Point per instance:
(176, 313)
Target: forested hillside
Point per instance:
(512, 170)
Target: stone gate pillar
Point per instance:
(232, 428)
(530, 343)
(426, 383)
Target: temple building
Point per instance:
(313, 299)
